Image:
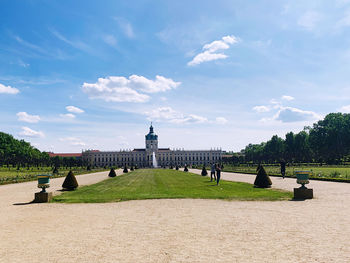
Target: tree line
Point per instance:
(326, 141)
(19, 153)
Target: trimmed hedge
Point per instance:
(262, 180)
(112, 173)
(70, 183)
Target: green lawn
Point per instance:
(12, 175)
(166, 183)
(329, 171)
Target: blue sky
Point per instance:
(92, 74)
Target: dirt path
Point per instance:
(179, 230)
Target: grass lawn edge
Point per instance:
(91, 193)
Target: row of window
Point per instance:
(160, 155)
(128, 159)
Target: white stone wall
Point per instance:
(144, 159)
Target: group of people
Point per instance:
(215, 172)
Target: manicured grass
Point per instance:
(12, 175)
(160, 183)
(318, 172)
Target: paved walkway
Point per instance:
(178, 230)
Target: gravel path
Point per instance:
(178, 230)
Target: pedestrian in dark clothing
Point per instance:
(212, 172)
(283, 168)
(218, 174)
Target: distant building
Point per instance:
(75, 155)
(144, 157)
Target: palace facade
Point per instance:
(144, 157)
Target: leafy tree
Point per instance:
(289, 147)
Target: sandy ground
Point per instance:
(177, 230)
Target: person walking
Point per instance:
(218, 174)
(283, 168)
(212, 172)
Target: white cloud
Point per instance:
(67, 116)
(209, 50)
(345, 21)
(288, 98)
(163, 113)
(122, 141)
(126, 27)
(309, 20)
(206, 56)
(345, 109)
(8, 89)
(160, 84)
(230, 39)
(215, 46)
(289, 114)
(273, 101)
(221, 120)
(73, 141)
(22, 63)
(191, 118)
(261, 109)
(78, 44)
(23, 116)
(167, 114)
(110, 40)
(121, 89)
(74, 109)
(28, 132)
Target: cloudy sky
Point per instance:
(93, 74)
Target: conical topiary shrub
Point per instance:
(112, 173)
(70, 183)
(125, 169)
(204, 171)
(186, 169)
(88, 168)
(262, 180)
(177, 168)
(132, 168)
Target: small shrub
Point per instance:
(132, 168)
(112, 173)
(70, 183)
(125, 169)
(204, 171)
(186, 169)
(176, 167)
(262, 180)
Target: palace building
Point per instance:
(147, 157)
